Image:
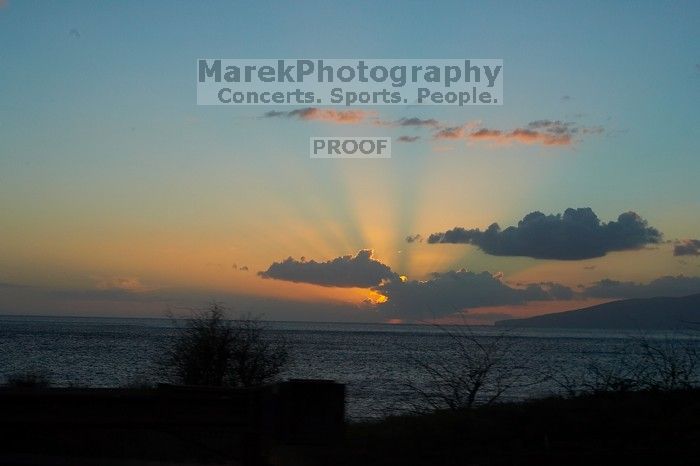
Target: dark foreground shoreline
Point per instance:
(301, 423)
(606, 428)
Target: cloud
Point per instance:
(680, 285)
(524, 136)
(540, 132)
(456, 292)
(443, 294)
(126, 284)
(414, 121)
(576, 234)
(687, 247)
(347, 271)
(561, 127)
(453, 132)
(558, 291)
(451, 292)
(417, 238)
(409, 122)
(345, 117)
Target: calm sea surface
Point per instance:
(374, 360)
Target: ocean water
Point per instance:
(381, 364)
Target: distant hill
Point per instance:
(651, 313)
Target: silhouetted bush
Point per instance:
(471, 370)
(477, 369)
(669, 364)
(660, 364)
(211, 350)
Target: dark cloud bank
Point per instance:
(687, 247)
(346, 271)
(575, 234)
(444, 294)
(414, 238)
(447, 293)
(679, 285)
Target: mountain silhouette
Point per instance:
(658, 313)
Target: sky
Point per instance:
(120, 196)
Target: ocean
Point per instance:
(381, 364)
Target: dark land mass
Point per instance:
(300, 424)
(167, 425)
(629, 428)
(645, 314)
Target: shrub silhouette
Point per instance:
(214, 351)
(644, 363)
(472, 369)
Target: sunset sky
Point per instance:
(120, 196)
